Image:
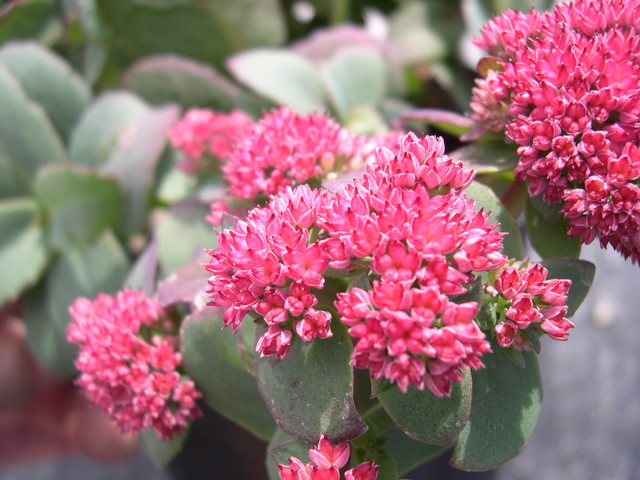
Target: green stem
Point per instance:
(377, 418)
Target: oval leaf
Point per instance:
(78, 273)
(23, 253)
(27, 138)
(487, 156)
(171, 78)
(445, 120)
(408, 453)
(485, 198)
(280, 449)
(504, 411)
(310, 392)
(80, 204)
(49, 81)
(163, 451)
(280, 76)
(424, 417)
(550, 240)
(580, 272)
(211, 359)
(355, 77)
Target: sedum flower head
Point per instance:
(127, 369)
(566, 90)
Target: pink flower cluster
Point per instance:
(326, 462)
(202, 132)
(565, 87)
(286, 148)
(271, 264)
(531, 300)
(136, 382)
(422, 248)
(409, 225)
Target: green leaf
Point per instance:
(355, 77)
(427, 418)
(408, 453)
(211, 359)
(134, 163)
(310, 392)
(49, 81)
(171, 78)
(163, 451)
(282, 447)
(550, 212)
(504, 411)
(550, 240)
(281, 76)
(447, 121)
(485, 198)
(80, 204)
(23, 253)
(27, 138)
(108, 122)
(25, 19)
(206, 31)
(142, 275)
(182, 234)
(487, 156)
(78, 273)
(580, 272)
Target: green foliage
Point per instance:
(26, 19)
(581, 274)
(407, 452)
(282, 447)
(487, 155)
(163, 451)
(550, 239)
(424, 417)
(504, 411)
(310, 392)
(211, 358)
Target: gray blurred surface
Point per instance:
(589, 428)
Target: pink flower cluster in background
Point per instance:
(202, 132)
(565, 87)
(531, 300)
(326, 461)
(134, 380)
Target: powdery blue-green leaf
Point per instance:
(25, 19)
(206, 31)
(23, 252)
(79, 204)
(580, 272)
(107, 125)
(183, 234)
(211, 358)
(142, 275)
(407, 452)
(310, 392)
(171, 78)
(487, 156)
(27, 138)
(49, 81)
(85, 272)
(485, 198)
(280, 449)
(504, 411)
(355, 77)
(427, 418)
(134, 163)
(550, 240)
(163, 451)
(281, 76)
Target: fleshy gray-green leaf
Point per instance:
(171, 78)
(163, 451)
(49, 81)
(580, 272)
(504, 411)
(78, 273)
(211, 359)
(355, 77)
(27, 138)
(426, 418)
(282, 447)
(408, 453)
(26, 19)
(23, 253)
(79, 204)
(310, 392)
(281, 76)
(550, 240)
(487, 156)
(485, 198)
(182, 234)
